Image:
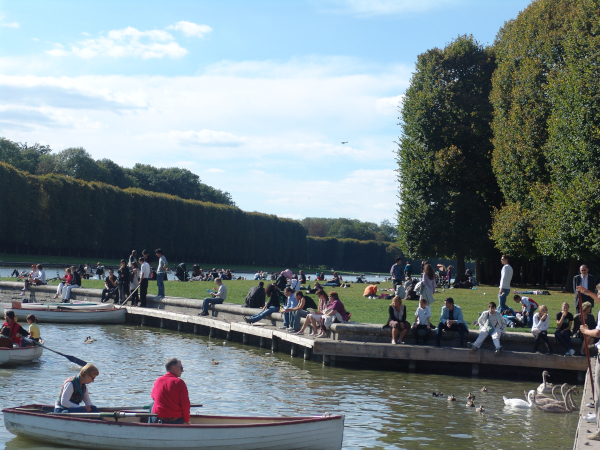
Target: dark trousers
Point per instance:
(143, 292)
(542, 336)
(135, 298)
(421, 332)
(455, 327)
(107, 293)
(564, 337)
(124, 291)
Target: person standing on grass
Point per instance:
(144, 277)
(397, 273)
(216, 298)
(161, 272)
(505, 278)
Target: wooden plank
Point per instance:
(584, 427)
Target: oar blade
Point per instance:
(75, 360)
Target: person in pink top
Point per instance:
(171, 399)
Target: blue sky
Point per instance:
(254, 97)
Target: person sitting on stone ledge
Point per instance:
(271, 307)
(422, 327)
(451, 320)
(491, 323)
(216, 298)
(256, 296)
(397, 320)
(111, 287)
(37, 277)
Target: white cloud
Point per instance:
(389, 105)
(127, 42)
(10, 24)
(381, 7)
(276, 130)
(190, 28)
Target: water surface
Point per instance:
(384, 410)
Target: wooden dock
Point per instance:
(585, 427)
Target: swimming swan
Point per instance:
(562, 407)
(518, 403)
(544, 388)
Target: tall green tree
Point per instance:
(546, 126)
(447, 187)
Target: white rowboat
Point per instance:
(72, 315)
(19, 355)
(204, 433)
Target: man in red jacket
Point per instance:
(170, 395)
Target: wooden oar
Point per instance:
(131, 295)
(587, 349)
(73, 359)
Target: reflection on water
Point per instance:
(384, 410)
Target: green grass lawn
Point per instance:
(472, 302)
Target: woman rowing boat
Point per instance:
(75, 390)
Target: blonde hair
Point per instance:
(565, 303)
(587, 306)
(396, 298)
(89, 369)
(543, 307)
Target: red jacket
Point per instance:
(171, 399)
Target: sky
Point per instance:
(256, 98)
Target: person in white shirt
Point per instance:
(491, 323)
(421, 328)
(295, 283)
(144, 277)
(541, 322)
(37, 278)
(216, 297)
(505, 279)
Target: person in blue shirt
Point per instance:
(451, 320)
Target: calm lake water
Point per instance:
(384, 410)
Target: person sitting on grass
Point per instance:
(528, 307)
(491, 323)
(564, 322)
(335, 281)
(541, 322)
(272, 306)
(397, 320)
(421, 328)
(451, 319)
(314, 318)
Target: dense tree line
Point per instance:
(78, 163)
(350, 229)
(54, 214)
(500, 144)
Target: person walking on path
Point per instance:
(397, 273)
(505, 279)
(144, 277)
(161, 272)
(216, 298)
(171, 400)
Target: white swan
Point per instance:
(518, 403)
(544, 388)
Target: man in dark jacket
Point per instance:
(256, 296)
(587, 281)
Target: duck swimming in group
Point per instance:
(89, 340)
(437, 394)
(480, 409)
(451, 398)
(470, 396)
(483, 389)
(470, 403)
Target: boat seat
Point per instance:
(6, 342)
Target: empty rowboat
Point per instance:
(71, 313)
(125, 430)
